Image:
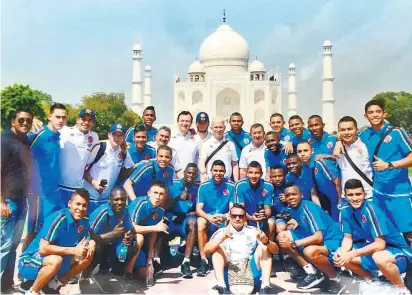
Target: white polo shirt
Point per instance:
(185, 147)
(241, 245)
(358, 153)
(227, 154)
(175, 157)
(75, 148)
(251, 153)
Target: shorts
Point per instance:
(331, 245)
(398, 209)
(401, 258)
(278, 220)
(179, 229)
(30, 265)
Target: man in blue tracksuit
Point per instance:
(321, 141)
(149, 117)
(236, 134)
(139, 150)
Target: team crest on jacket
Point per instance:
(147, 157)
(90, 139)
(388, 139)
(363, 219)
(287, 137)
(165, 175)
(80, 229)
(330, 145)
(226, 192)
(155, 216)
(316, 170)
(246, 140)
(310, 140)
(121, 155)
(303, 219)
(264, 192)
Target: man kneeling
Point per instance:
(61, 250)
(239, 247)
(312, 241)
(371, 242)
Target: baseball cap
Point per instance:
(87, 111)
(116, 127)
(202, 117)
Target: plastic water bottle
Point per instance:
(149, 275)
(173, 252)
(122, 252)
(80, 258)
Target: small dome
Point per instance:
(148, 68)
(137, 47)
(256, 66)
(225, 43)
(196, 67)
(292, 66)
(327, 43)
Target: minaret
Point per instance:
(147, 86)
(137, 99)
(292, 103)
(328, 102)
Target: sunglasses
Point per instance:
(22, 120)
(234, 216)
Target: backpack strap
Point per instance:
(99, 155)
(388, 130)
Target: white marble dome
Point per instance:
(196, 67)
(137, 47)
(327, 43)
(256, 66)
(148, 68)
(224, 44)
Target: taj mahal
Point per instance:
(224, 80)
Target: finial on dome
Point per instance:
(224, 16)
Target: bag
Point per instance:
(356, 168)
(388, 130)
(240, 276)
(99, 155)
(236, 142)
(215, 151)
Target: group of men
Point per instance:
(321, 201)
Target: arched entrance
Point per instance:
(227, 102)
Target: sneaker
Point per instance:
(47, 290)
(203, 269)
(222, 290)
(265, 290)
(310, 281)
(185, 270)
(25, 286)
(334, 287)
(297, 273)
(157, 268)
(52, 287)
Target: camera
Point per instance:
(103, 182)
(260, 207)
(286, 216)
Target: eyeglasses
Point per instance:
(234, 216)
(22, 120)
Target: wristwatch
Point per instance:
(293, 245)
(267, 241)
(390, 166)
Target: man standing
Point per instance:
(61, 250)
(202, 130)
(76, 143)
(139, 150)
(45, 150)
(183, 142)
(105, 162)
(326, 178)
(211, 208)
(390, 150)
(182, 213)
(321, 141)
(381, 248)
(149, 117)
(238, 242)
(159, 169)
(15, 181)
(218, 148)
(254, 151)
(313, 240)
(236, 134)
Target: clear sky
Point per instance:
(73, 48)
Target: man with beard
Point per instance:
(321, 141)
(202, 132)
(104, 165)
(313, 240)
(236, 134)
(139, 150)
(146, 173)
(149, 117)
(274, 154)
(254, 151)
(15, 181)
(60, 251)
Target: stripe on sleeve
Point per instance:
(311, 218)
(141, 171)
(404, 137)
(138, 207)
(55, 224)
(99, 218)
(374, 220)
(326, 169)
(36, 137)
(128, 131)
(199, 192)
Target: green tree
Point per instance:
(109, 108)
(18, 95)
(398, 105)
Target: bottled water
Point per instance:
(121, 252)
